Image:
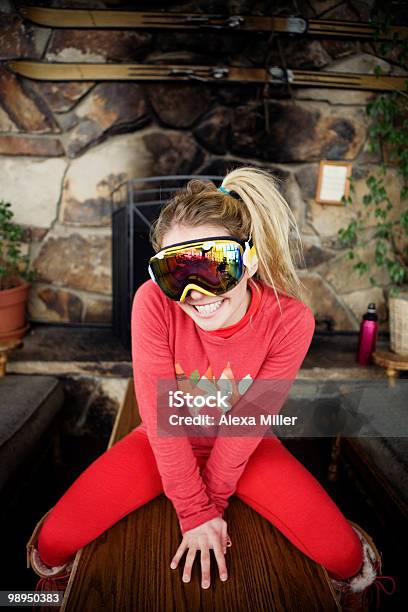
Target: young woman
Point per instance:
(224, 304)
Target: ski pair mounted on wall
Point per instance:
(84, 18)
(274, 75)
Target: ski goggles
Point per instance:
(212, 266)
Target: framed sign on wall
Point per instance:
(333, 182)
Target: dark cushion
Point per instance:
(390, 456)
(383, 437)
(28, 405)
(369, 412)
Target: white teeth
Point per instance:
(208, 308)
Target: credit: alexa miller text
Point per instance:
(206, 420)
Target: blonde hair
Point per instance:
(263, 213)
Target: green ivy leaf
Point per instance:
(396, 272)
(361, 267)
(394, 292)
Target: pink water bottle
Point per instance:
(368, 335)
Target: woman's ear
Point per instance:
(252, 269)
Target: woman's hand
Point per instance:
(212, 534)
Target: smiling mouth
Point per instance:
(208, 309)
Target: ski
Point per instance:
(46, 71)
(99, 18)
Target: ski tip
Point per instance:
(31, 13)
(13, 66)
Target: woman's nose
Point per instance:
(196, 295)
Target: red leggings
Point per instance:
(274, 484)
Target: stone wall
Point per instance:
(65, 145)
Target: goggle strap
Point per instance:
(152, 276)
(249, 257)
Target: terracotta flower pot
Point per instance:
(12, 307)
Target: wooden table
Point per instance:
(392, 362)
(5, 347)
(9, 341)
(126, 569)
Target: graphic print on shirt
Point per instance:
(207, 384)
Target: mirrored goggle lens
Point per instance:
(217, 269)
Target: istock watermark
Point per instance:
(179, 399)
(199, 407)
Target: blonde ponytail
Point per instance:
(260, 212)
(273, 227)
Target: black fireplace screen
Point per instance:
(135, 205)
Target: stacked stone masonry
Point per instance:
(65, 145)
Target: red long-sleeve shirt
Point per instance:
(268, 343)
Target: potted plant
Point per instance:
(14, 277)
(377, 223)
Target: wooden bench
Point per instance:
(127, 568)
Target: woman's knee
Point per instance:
(55, 544)
(344, 559)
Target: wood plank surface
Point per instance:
(127, 568)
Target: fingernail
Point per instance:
(185, 578)
(206, 585)
(224, 577)
(172, 565)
